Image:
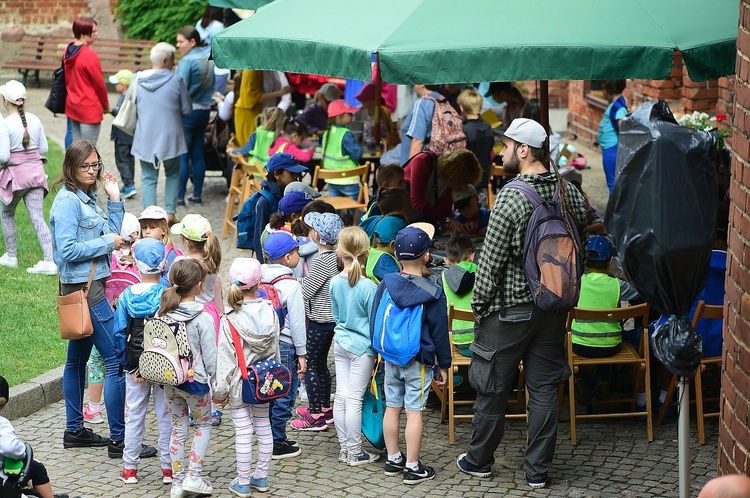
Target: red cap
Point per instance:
(339, 107)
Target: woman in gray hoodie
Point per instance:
(161, 101)
(178, 303)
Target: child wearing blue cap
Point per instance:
(382, 231)
(137, 303)
(598, 339)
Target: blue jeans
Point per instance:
(609, 161)
(281, 409)
(194, 125)
(351, 190)
(74, 375)
(149, 179)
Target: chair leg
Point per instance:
(668, 401)
(451, 410)
(649, 412)
(572, 396)
(234, 188)
(699, 406)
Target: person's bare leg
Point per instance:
(413, 435)
(95, 392)
(390, 430)
(45, 490)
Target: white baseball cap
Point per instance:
(526, 131)
(14, 92)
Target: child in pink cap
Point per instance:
(256, 324)
(340, 149)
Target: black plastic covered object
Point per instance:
(662, 216)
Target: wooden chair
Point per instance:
(243, 184)
(495, 171)
(626, 355)
(344, 202)
(709, 312)
(446, 393)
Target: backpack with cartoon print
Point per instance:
(166, 357)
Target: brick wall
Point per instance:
(734, 425)
(558, 92)
(56, 16)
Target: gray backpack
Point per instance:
(551, 252)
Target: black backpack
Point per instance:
(58, 94)
(134, 340)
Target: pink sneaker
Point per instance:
(92, 417)
(303, 412)
(309, 423)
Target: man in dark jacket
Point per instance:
(408, 386)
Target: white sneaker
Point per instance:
(6, 260)
(175, 491)
(196, 485)
(43, 268)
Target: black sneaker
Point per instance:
(423, 473)
(464, 467)
(285, 450)
(392, 468)
(537, 483)
(114, 450)
(85, 438)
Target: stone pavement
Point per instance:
(612, 459)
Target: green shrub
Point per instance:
(160, 21)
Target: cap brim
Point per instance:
(295, 169)
(176, 229)
(113, 79)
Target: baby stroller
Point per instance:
(17, 472)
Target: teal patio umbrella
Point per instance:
(443, 41)
(239, 4)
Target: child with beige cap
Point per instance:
(123, 141)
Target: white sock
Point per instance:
(395, 458)
(662, 396)
(640, 399)
(412, 465)
(95, 407)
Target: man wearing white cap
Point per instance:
(510, 326)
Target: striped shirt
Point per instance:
(500, 277)
(315, 287)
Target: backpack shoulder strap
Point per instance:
(616, 106)
(238, 349)
(530, 192)
(280, 278)
(270, 198)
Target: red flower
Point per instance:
(721, 117)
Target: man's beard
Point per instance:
(513, 165)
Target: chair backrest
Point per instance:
(458, 314)
(637, 312)
(325, 174)
(495, 171)
(707, 311)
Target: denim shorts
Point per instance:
(407, 387)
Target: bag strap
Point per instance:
(238, 348)
(88, 285)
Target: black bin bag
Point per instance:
(662, 216)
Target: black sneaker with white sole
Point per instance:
(391, 468)
(464, 467)
(423, 473)
(285, 450)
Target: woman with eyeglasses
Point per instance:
(87, 100)
(83, 238)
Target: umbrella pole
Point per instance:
(544, 103)
(378, 101)
(683, 438)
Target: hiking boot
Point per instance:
(391, 468)
(464, 467)
(362, 459)
(8, 261)
(43, 268)
(85, 438)
(259, 484)
(423, 473)
(241, 490)
(196, 485)
(310, 423)
(285, 450)
(92, 416)
(166, 476)
(129, 476)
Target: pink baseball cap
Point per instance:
(245, 273)
(154, 213)
(339, 107)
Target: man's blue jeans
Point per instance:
(74, 375)
(194, 125)
(281, 409)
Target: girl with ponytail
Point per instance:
(351, 298)
(22, 143)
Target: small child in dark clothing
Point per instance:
(478, 132)
(123, 142)
(474, 218)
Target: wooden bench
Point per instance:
(44, 53)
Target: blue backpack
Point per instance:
(397, 331)
(246, 219)
(616, 106)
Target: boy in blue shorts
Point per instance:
(408, 386)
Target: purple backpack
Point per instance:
(551, 253)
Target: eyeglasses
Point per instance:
(87, 166)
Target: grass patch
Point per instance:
(30, 341)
